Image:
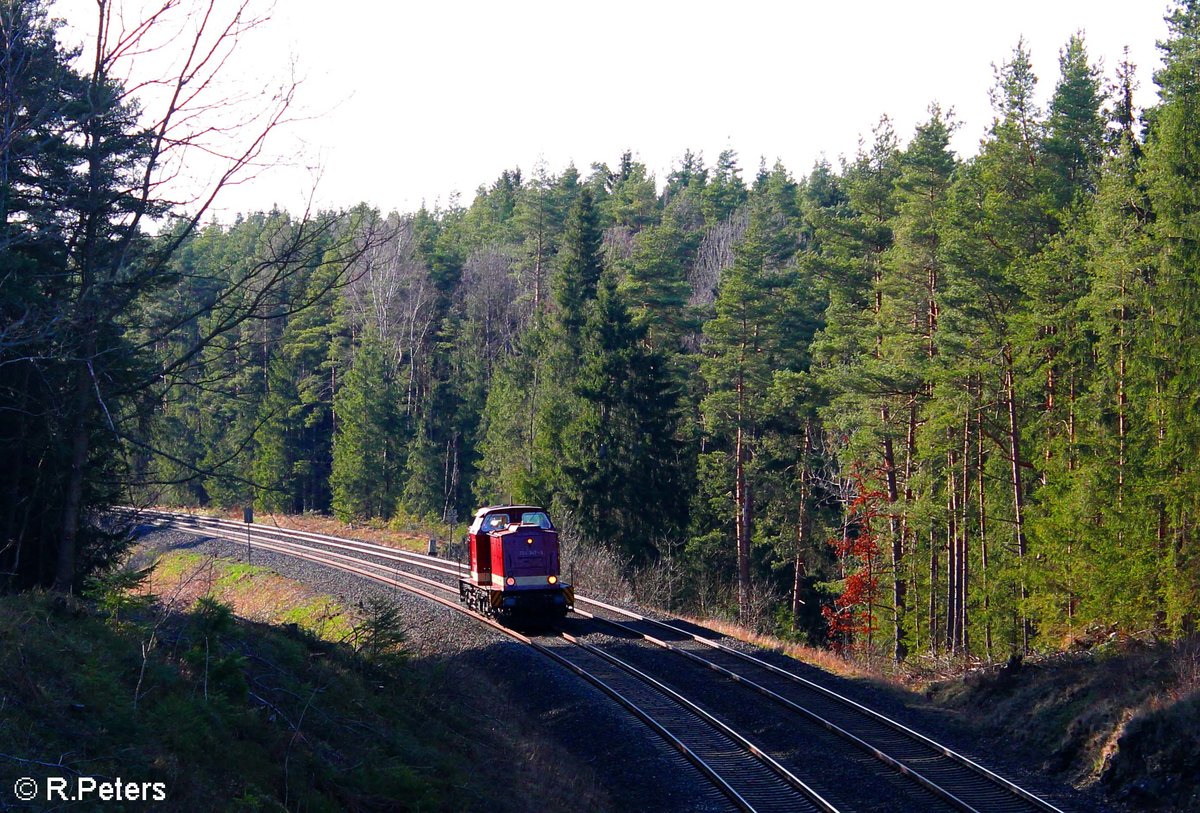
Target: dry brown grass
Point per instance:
(822, 658)
(413, 539)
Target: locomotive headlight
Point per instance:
(529, 541)
(552, 579)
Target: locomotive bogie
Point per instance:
(499, 603)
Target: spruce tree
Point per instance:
(633, 201)
(579, 266)
(423, 490)
(656, 285)
(620, 452)
(725, 190)
(365, 478)
(274, 441)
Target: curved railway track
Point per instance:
(959, 781)
(751, 778)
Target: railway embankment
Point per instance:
(182, 699)
(1121, 716)
(1115, 717)
(262, 686)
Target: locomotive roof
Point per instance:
(490, 508)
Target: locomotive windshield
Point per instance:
(537, 518)
(499, 517)
(495, 522)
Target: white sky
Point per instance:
(412, 101)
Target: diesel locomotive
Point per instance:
(514, 571)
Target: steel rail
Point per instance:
(237, 532)
(963, 761)
(746, 744)
(808, 714)
(438, 565)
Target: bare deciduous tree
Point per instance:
(716, 253)
(104, 154)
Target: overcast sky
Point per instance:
(410, 102)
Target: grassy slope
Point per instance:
(1125, 716)
(235, 714)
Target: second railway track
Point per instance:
(958, 781)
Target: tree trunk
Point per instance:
(899, 651)
(952, 549)
(537, 277)
(85, 326)
(533, 391)
(13, 538)
(1121, 401)
(802, 520)
(933, 588)
(1014, 450)
(964, 551)
(64, 568)
(983, 543)
(906, 538)
(1051, 403)
(742, 508)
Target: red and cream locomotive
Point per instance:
(513, 551)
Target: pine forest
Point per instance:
(908, 402)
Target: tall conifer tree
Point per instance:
(1172, 172)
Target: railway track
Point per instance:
(954, 781)
(749, 777)
(959, 782)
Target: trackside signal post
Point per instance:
(248, 518)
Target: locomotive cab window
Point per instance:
(495, 522)
(537, 518)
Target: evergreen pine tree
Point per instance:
(1172, 176)
(365, 477)
(1075, 130)
(579, 266)
(746, 342)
